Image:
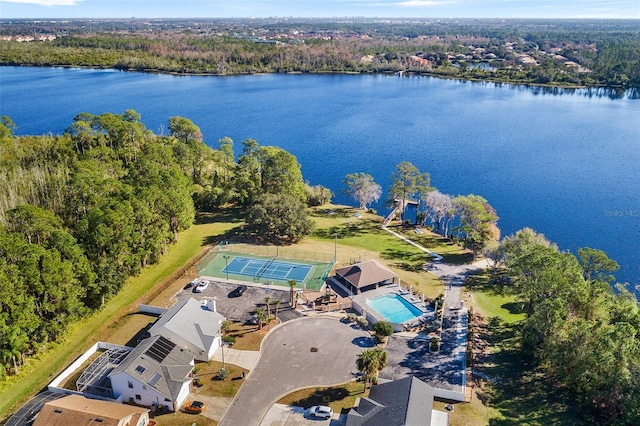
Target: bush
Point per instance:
(229, 339)
(362, 322)
(383, 329)
(222, 374)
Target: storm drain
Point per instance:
(314, 349)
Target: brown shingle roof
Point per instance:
(77, 410)
(366, 273)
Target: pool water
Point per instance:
(394, 308)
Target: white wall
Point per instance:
(148, 395)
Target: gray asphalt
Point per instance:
(242, 308)
(288, 362)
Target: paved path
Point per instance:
(306, 352)
(244, 359)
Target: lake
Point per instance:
(563, 162)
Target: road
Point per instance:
(302, 353)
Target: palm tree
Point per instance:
(262, 317)
(276, 304)
(370, 362)
(292, 290)
(267, 299)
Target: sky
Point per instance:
(50, 9)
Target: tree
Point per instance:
(317, 195)
(184, 129)
(441, 210)
(246, 179)
(262, 317)
(275, 217)
(477, 221)
(280, 172)
(292, 291)
(362, 188)
(276, 305)
(595, 265)
(267, 299)
(404, 184)
(370, 362)
(382, 329)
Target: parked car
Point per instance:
(254, 320)
(321, 411)
(192, 283)
(195, 407)
(202, 285)
(239, 290)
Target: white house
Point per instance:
(192, 326)
(157, 372)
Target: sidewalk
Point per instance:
(244, 359)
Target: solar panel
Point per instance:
(160, 349)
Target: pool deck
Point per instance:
(416, 301)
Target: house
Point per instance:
(191, 326)
(404, 402)
(156, 373)
(365, 276)
(76, 410)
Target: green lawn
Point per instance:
(42, 368)
(340, 398)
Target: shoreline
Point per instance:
(388, 73)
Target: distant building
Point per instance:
(365, 276)
(404, 402)
(191, 326)
(76, 410)
(157, 372)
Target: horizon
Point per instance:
(322, 9)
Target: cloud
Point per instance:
(423, 3)
(45, 2)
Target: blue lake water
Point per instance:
(564, 162)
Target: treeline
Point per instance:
(608, 54)
(583, 335)
(83, 211)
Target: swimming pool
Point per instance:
(394, 308)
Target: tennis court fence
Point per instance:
(285, 252)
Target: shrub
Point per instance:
(229, 339)
(362, 322)
(383, 329)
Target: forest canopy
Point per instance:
(586, 53)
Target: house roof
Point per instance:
(191, 320)
(366, 273)
(159, 363)
(77, 410)
(404, 402)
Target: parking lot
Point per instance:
(242, 308)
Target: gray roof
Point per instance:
(404, 402)
(366, 273)
(192, 321)
(159, 363)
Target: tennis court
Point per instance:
(271, 270)
(267, 268)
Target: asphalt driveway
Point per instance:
(242, 308)
(302, 353)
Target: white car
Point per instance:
(201, 286)
(321, 411)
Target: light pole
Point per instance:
(335, 248)
(226, 268)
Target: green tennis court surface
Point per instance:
(271, 270)
(264, 268)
